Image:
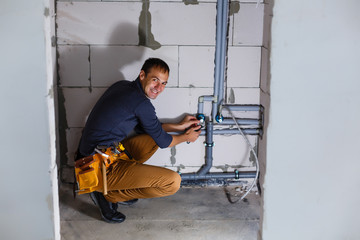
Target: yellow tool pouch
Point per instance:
(90, 172)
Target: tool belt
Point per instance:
(90, 171)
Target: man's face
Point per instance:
(154, 82)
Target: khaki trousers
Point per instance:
(130, 179)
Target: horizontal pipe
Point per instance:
(229, 175)
(246, 131)
(243, 107)
(230, 121)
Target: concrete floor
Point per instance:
(192, 213)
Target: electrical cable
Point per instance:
(256, 161)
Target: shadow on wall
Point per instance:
(107, 63)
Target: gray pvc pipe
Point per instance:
(230, 175)
(243, 107)
(217, 71)
(230, 121)
(219, 74)
(201, 101)
(208, 149)
(250, 131)
(246, 131)
(224, 18)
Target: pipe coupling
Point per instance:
(209, 144)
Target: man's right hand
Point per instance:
(189, 136)
(193, 133)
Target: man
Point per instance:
(125, 107)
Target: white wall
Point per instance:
(98, 45)
(28, 179)
(312, 180)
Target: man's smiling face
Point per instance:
(154, 82)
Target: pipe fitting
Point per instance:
(219, 118)
(200, 117)
(237, 174)
(212, 144)
(206, 98)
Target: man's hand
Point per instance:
(192, 133)
(189, 121)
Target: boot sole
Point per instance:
(93, 198)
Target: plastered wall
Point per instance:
(101, 42)
(312, 175)
(28, 174)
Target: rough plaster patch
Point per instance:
(224, 168)
(181, 166)
(63, 125)
(49, 201)
(53, 41)
(234, 8)
(46, 12)
(172, 157)
(192, 2)
(146, 38)
(231, 98)
(51, 92)
(89, 59)
(252, 158)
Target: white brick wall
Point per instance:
(74, 65)
(98, 45)
(196, 68)
(78, 104)
(180, 24)
(97, 22)
(113, 63)
(244, 67)
(248, 25)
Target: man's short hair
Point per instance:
(157, 63)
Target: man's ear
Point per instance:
(142, 75)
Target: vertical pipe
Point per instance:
(217, 56)
(208, 149)
(224, 18)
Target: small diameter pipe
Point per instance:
(230, 121)
(243, 107)
(247, 131)
(229, 175)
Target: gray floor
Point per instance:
(192, 213)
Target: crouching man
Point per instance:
(124, 107)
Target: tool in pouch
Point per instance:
(90, 171)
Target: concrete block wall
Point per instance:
(101, 42)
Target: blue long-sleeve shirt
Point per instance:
(120, 109)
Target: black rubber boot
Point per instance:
(107, 209)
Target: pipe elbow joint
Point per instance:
(201, 99)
